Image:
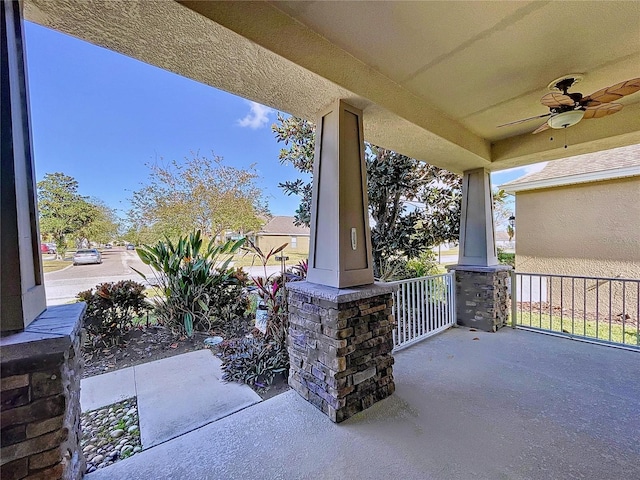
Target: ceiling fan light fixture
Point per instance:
(565, 119)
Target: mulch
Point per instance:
(147, 344)
(141, 345)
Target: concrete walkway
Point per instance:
(175, 395)
(468, 405)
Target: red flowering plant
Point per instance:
(299, 271)
(259, 358)
(271, 290)
(269, 286)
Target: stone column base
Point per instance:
(41, 372)
(482, 296)
(340, 343)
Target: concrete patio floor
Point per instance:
(175, 395)
(468, 405)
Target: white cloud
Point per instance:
(257, 117)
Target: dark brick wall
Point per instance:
(341, 352)
(40, 407)
(482, 299)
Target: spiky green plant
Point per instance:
(192, 276)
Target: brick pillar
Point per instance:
(482, 296)
(340, 343)
(40, 392)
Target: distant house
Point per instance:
(580, 215)
(282, 229)
(502, 240)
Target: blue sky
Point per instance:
(99, 117)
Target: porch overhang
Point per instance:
(434, 79)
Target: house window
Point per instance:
(294, 242)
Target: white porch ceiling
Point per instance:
(433, 78)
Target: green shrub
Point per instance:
(399, 268)
(228, 305)
(200, 291)
(253, 360)
(111, 310)
(506, 258)
(422, 266)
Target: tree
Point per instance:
(198, 194)
(502, 208)
(63, 211)
(104, 225)
(413, 205)
(300, 136)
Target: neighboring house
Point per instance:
(581, 216)
(502, 240)
(282, 229)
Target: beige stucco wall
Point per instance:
(267, 242)
(590, 229)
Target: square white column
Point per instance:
(477, 237)
(340, 247)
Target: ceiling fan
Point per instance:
(567, 109)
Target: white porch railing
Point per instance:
(423, 307)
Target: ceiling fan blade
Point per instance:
(523, 120)
(614, 92)
(541, 128)
(602, 110)
(588, 102)
(555, 99)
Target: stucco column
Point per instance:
(481, 283)
(340, 245)
(22, 295)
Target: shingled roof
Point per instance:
(283, 225)
(604, 165)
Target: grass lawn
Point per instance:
(590, 328)
(451, 251)
(152, 291)
(53, 265)
(250, 259)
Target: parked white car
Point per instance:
(88, 256)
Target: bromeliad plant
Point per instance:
(200, 289)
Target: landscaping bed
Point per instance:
(142, 345)
(155, 342)
(197, 296)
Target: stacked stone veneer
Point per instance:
(340, 343)
(482, 296)
(40, 393)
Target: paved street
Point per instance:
(118, 263)
(63, 285)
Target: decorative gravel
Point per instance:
(110, 434)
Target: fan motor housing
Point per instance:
(565, 119)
